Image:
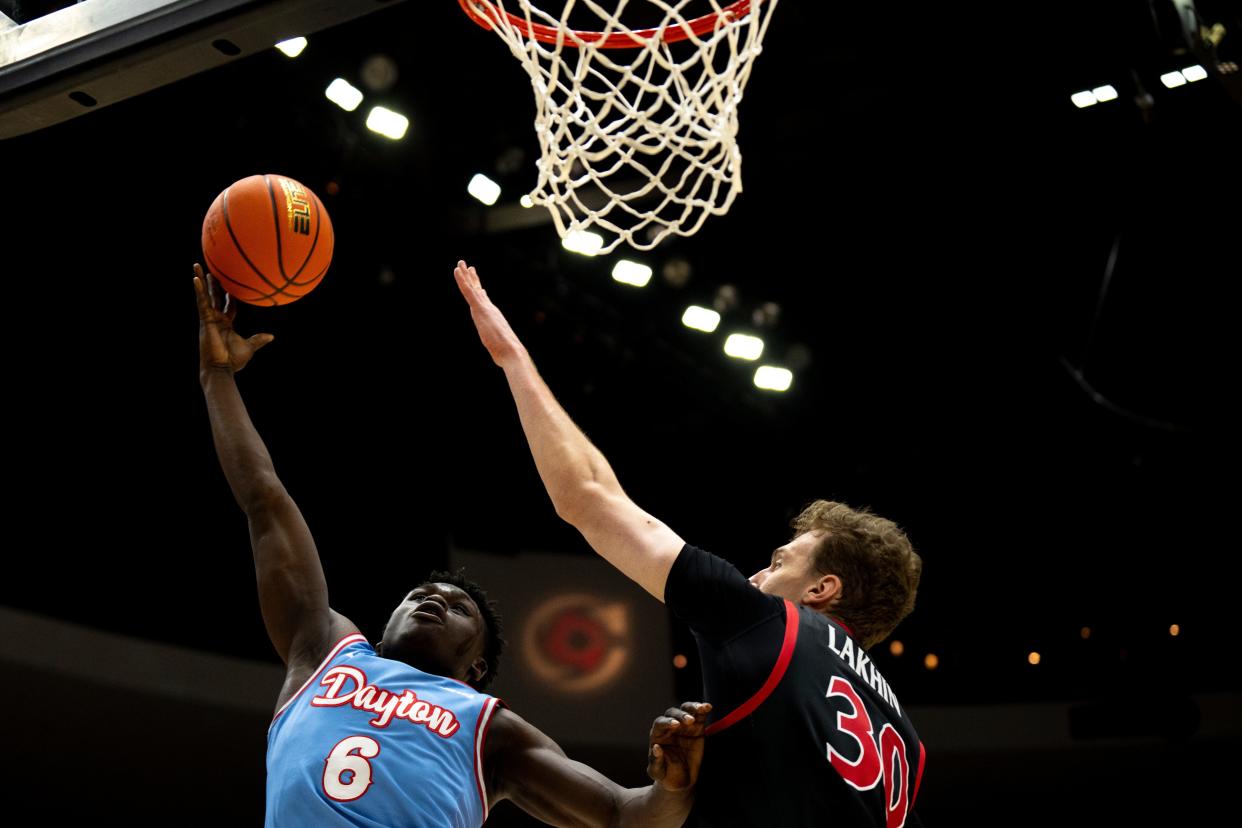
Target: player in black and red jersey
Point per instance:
(806, 730)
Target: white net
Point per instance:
(636, 143)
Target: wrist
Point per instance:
(515, 359)
(673, 793)
(207, 372)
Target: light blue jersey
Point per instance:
(369, 741)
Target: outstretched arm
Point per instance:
(524, 765)
(579, 480)
(293, 595)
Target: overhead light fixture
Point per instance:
(701, 319)
(526, 201)
(343, 94)
(743, 346)
(388, 123)
(484, 189)
(1194, 73)
(631, 273)
(293, 46)
(773, 378)
(1091, 97)
(1173, 79)
(583, 242)
(1082, 100)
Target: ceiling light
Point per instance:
(484, 189)
(293, 46)
(743, 346)
(341, 93)
(388, 123)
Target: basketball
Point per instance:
(268, 240)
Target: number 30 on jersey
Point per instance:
(877, 758)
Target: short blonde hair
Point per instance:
(878, 568)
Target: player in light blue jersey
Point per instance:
(401, 734)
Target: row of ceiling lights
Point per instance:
(394, 125)
(636, 274)
(1108, 92)
(380, 119)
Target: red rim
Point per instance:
(484, 12)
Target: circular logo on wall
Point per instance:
(577, 642)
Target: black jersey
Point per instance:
(805, 730)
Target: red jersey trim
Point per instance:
(774, 678)
(918, 777)
(480, 740)
(353, 638)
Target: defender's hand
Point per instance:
(499, 339)
(219, 346)
(676, 746)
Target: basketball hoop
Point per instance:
(486, 11)
(637, 126)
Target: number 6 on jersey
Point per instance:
(346, 771)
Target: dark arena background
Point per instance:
(1006, 315)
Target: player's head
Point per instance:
(446, 626)
(847, 563)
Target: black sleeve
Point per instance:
(713, 598)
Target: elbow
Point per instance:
(261, 494)
(575, 504)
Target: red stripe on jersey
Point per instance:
(352, 638)
(480, 742)
(778, 672)
(919, 776)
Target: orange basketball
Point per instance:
(268, 240)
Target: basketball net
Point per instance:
(637, 127)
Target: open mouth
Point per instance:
(430, 611)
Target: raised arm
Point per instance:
(579, 480)
(527, 767)
(293, 595)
